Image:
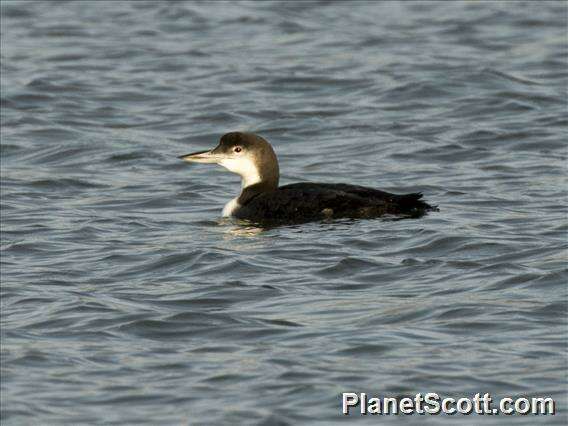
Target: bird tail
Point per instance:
(413, 203)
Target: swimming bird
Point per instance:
(262, 200)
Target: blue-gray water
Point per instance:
(127, 300)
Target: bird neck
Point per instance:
(261, 174)
(251, 191)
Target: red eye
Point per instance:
(238, 149)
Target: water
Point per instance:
(127, 300)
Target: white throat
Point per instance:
(248, 171)
(244, 167)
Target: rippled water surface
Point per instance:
(126, 299)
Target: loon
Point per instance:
(262, 200)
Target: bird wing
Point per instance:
(308, 200)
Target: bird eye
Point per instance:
(237, 149)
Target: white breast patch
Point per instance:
(231, 207)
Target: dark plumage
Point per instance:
(307, 201)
